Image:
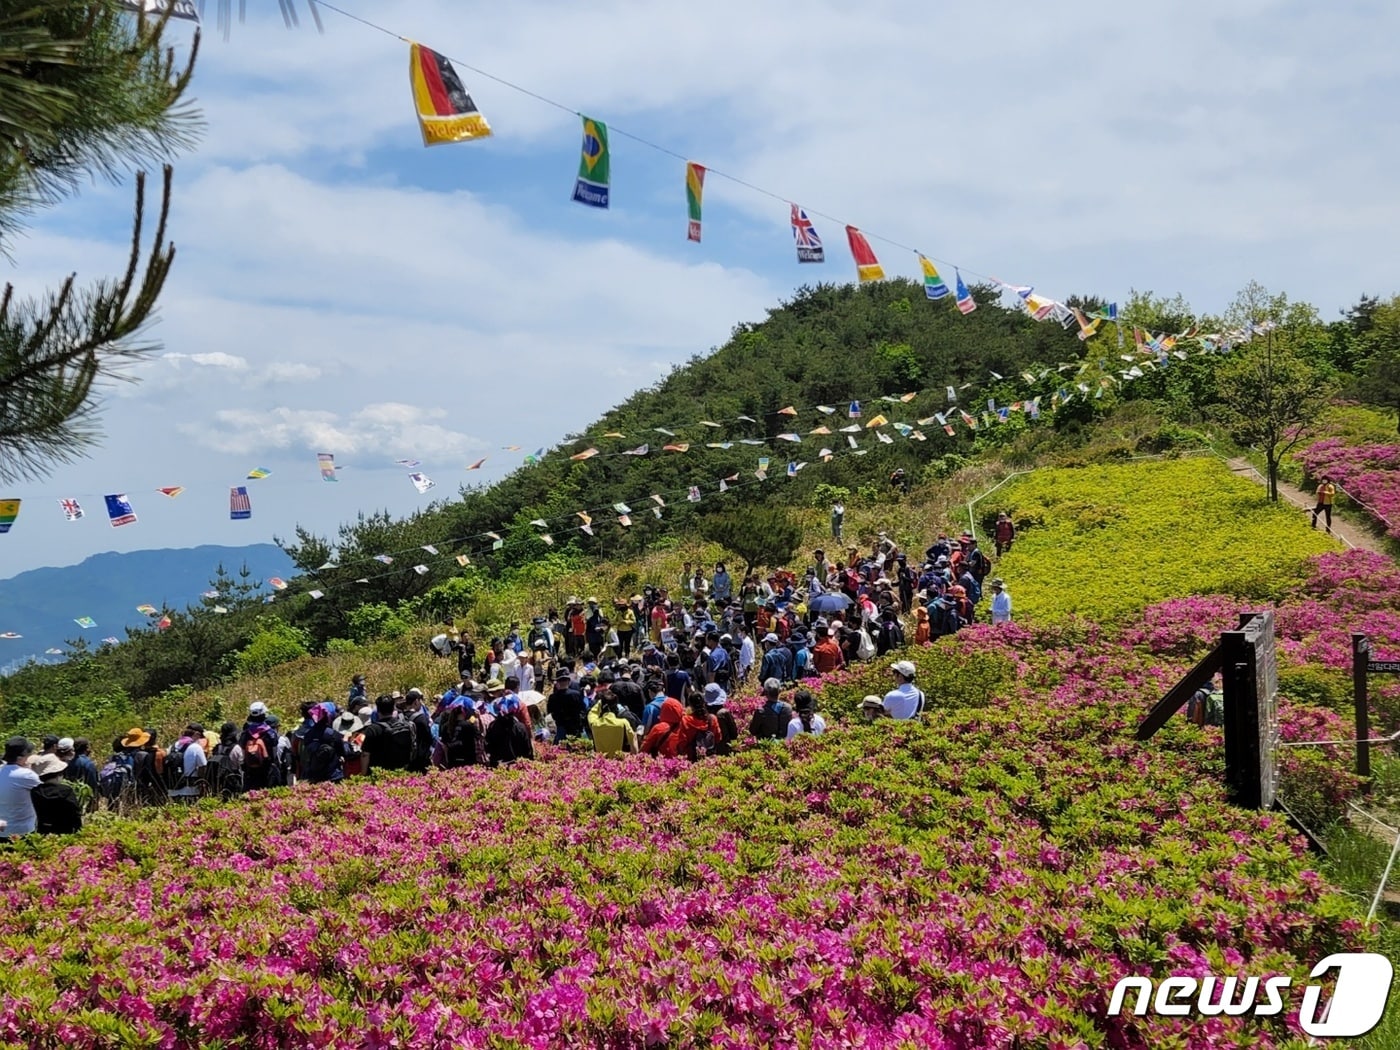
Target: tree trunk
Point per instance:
(1273, 475)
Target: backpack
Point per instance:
(222, 780)
(115, 776)
(942, 620)
(891, 636)
(255, 752)
(402, 743)
(174, 772)
(466, 745)
(866, 649)
(697, 738)
(321, 757)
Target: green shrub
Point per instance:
(376, 620)
(824, 495)
(340, 647)
(275, 642)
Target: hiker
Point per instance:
(358, 693)
(17, 784)
(905, 701)
(413, 712)
(1004, 534)
(612, 734)
(260, 742)
(224, 771)
(1326, 493)
(388, 741)
(462, 737)
(81, 768)
(185, 764)
(659, 739)
(716, 699)
(770, 722)
(323, 749)
(565, 705)
(508, 740)
(56, 808)
(1001, 602)
(838, 517)
(805, 718)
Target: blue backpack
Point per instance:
(119, 771)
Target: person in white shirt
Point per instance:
(747, 652)
(17, 780)
(195, 759)
(1001, 602)
(905, 700)
(805, 718)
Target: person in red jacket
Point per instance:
(662, 739)
(699, 734)
(1005, 533)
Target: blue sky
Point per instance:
(340, 288)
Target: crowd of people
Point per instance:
(651, 675)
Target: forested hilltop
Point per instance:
(829, 345)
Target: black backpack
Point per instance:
(115, 776)
(401, 744)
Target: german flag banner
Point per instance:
(446, 112)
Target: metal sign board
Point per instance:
(1383, 666)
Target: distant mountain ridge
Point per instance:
(42, 604)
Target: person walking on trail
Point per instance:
(1326, 493)
(1001, 602)
(838, 517)
(1005, 533)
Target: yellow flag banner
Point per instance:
(446, 113)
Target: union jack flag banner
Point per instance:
(71, 510)
(809, 245)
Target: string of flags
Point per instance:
(447, 113)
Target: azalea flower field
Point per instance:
(1367, 471)
(980, 880)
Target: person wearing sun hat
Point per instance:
(56, 807)
(905, 701)
(871, 708)
(1001, 602)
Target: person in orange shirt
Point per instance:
(921, 629)
(1326, 493)
(826, 654)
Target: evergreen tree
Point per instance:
(87, 89)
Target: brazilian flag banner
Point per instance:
(593, 183)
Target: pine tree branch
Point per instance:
(52, 354)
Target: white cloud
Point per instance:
(218, 359)
(340, 288)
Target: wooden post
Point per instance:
(1360, 658)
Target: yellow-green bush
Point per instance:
(1105, 541)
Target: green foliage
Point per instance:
(824, 495)
(376, 620)
(1270, 398)
(340, 647)
(758, 536)
(85, 92)
(1105, 541)
(275, 642)
(1379, 347)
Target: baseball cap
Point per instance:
(257, 708)
(774, 685)
(904, 667)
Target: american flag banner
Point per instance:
(71, 510)
(240, 507)
(804, 234)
